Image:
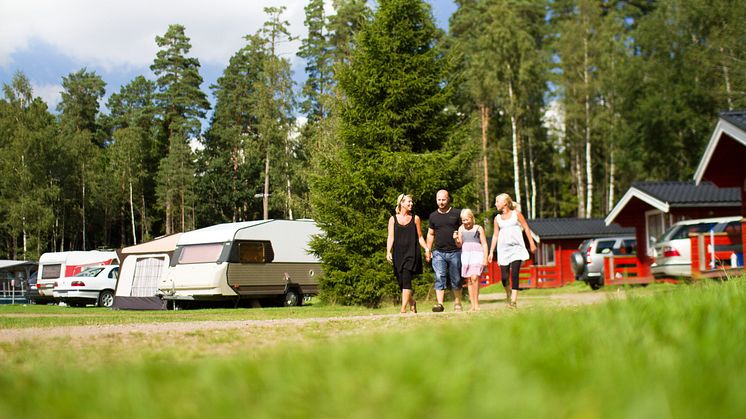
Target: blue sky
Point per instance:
(49, 39)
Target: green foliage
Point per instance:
(394, 135)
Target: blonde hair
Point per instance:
(508, 201)
(466, 212)
(398, 202)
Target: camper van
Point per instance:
(56, 265)
(246, 260)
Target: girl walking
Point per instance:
(511, 250)
(473, 242)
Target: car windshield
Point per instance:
(678, 232)
(91, 272)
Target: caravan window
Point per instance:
(200, 253)
(254, 252)
(51, 271)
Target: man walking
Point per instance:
(444, 251)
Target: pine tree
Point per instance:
(395, 135)
(82, 92)
(180, 103)
(230, 165)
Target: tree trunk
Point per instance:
(82, 204)
(265, 197)
(485, 115)
(726, 78)
(514, 127)
(579, 185)
(287, 176)
(527, 207)
(132, 216)
(612, 168)
(533, 179)
(588, 159)
(168, 214)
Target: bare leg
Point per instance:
(457, 296)
(474, 292)
(406, 295)
(513, 297)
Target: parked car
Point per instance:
(673, 251)
(32, 293)
(56, 265)
(92, 286)
(588, 261)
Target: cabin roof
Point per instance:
(726, 150)
(575, 228)
(666, 195)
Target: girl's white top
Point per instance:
(510, 245)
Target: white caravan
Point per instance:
(252, 259)
(56, 265)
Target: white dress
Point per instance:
(510, 245)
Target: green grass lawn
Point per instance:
(673, 354)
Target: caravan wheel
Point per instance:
(292, 298)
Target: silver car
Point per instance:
(588, 261)
(673, 251)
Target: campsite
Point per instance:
(675, 350)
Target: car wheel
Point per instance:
(292, 298)
(106, 298)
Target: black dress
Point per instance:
(406, 252)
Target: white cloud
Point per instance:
(50, 93)
(112, 35)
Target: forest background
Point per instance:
(561, 103)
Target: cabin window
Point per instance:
(51, 271)
(546, 254)
(252, 252)
(200, 253)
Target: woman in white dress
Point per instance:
(511, 250)
(473, 241)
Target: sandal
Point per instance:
(413, 307)
(438, 308)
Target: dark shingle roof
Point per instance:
(575, 228)
(737, 118)
(685, 194)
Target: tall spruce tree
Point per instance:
(79, 109)
(315, 49)
(395, 135)
(181, 104)
(275, 120)
(230, 165)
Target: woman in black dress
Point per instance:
(405, 233)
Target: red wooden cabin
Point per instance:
(724, 164)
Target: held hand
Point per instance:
(489, 258)
(428, 257)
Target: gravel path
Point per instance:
(489, 302)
